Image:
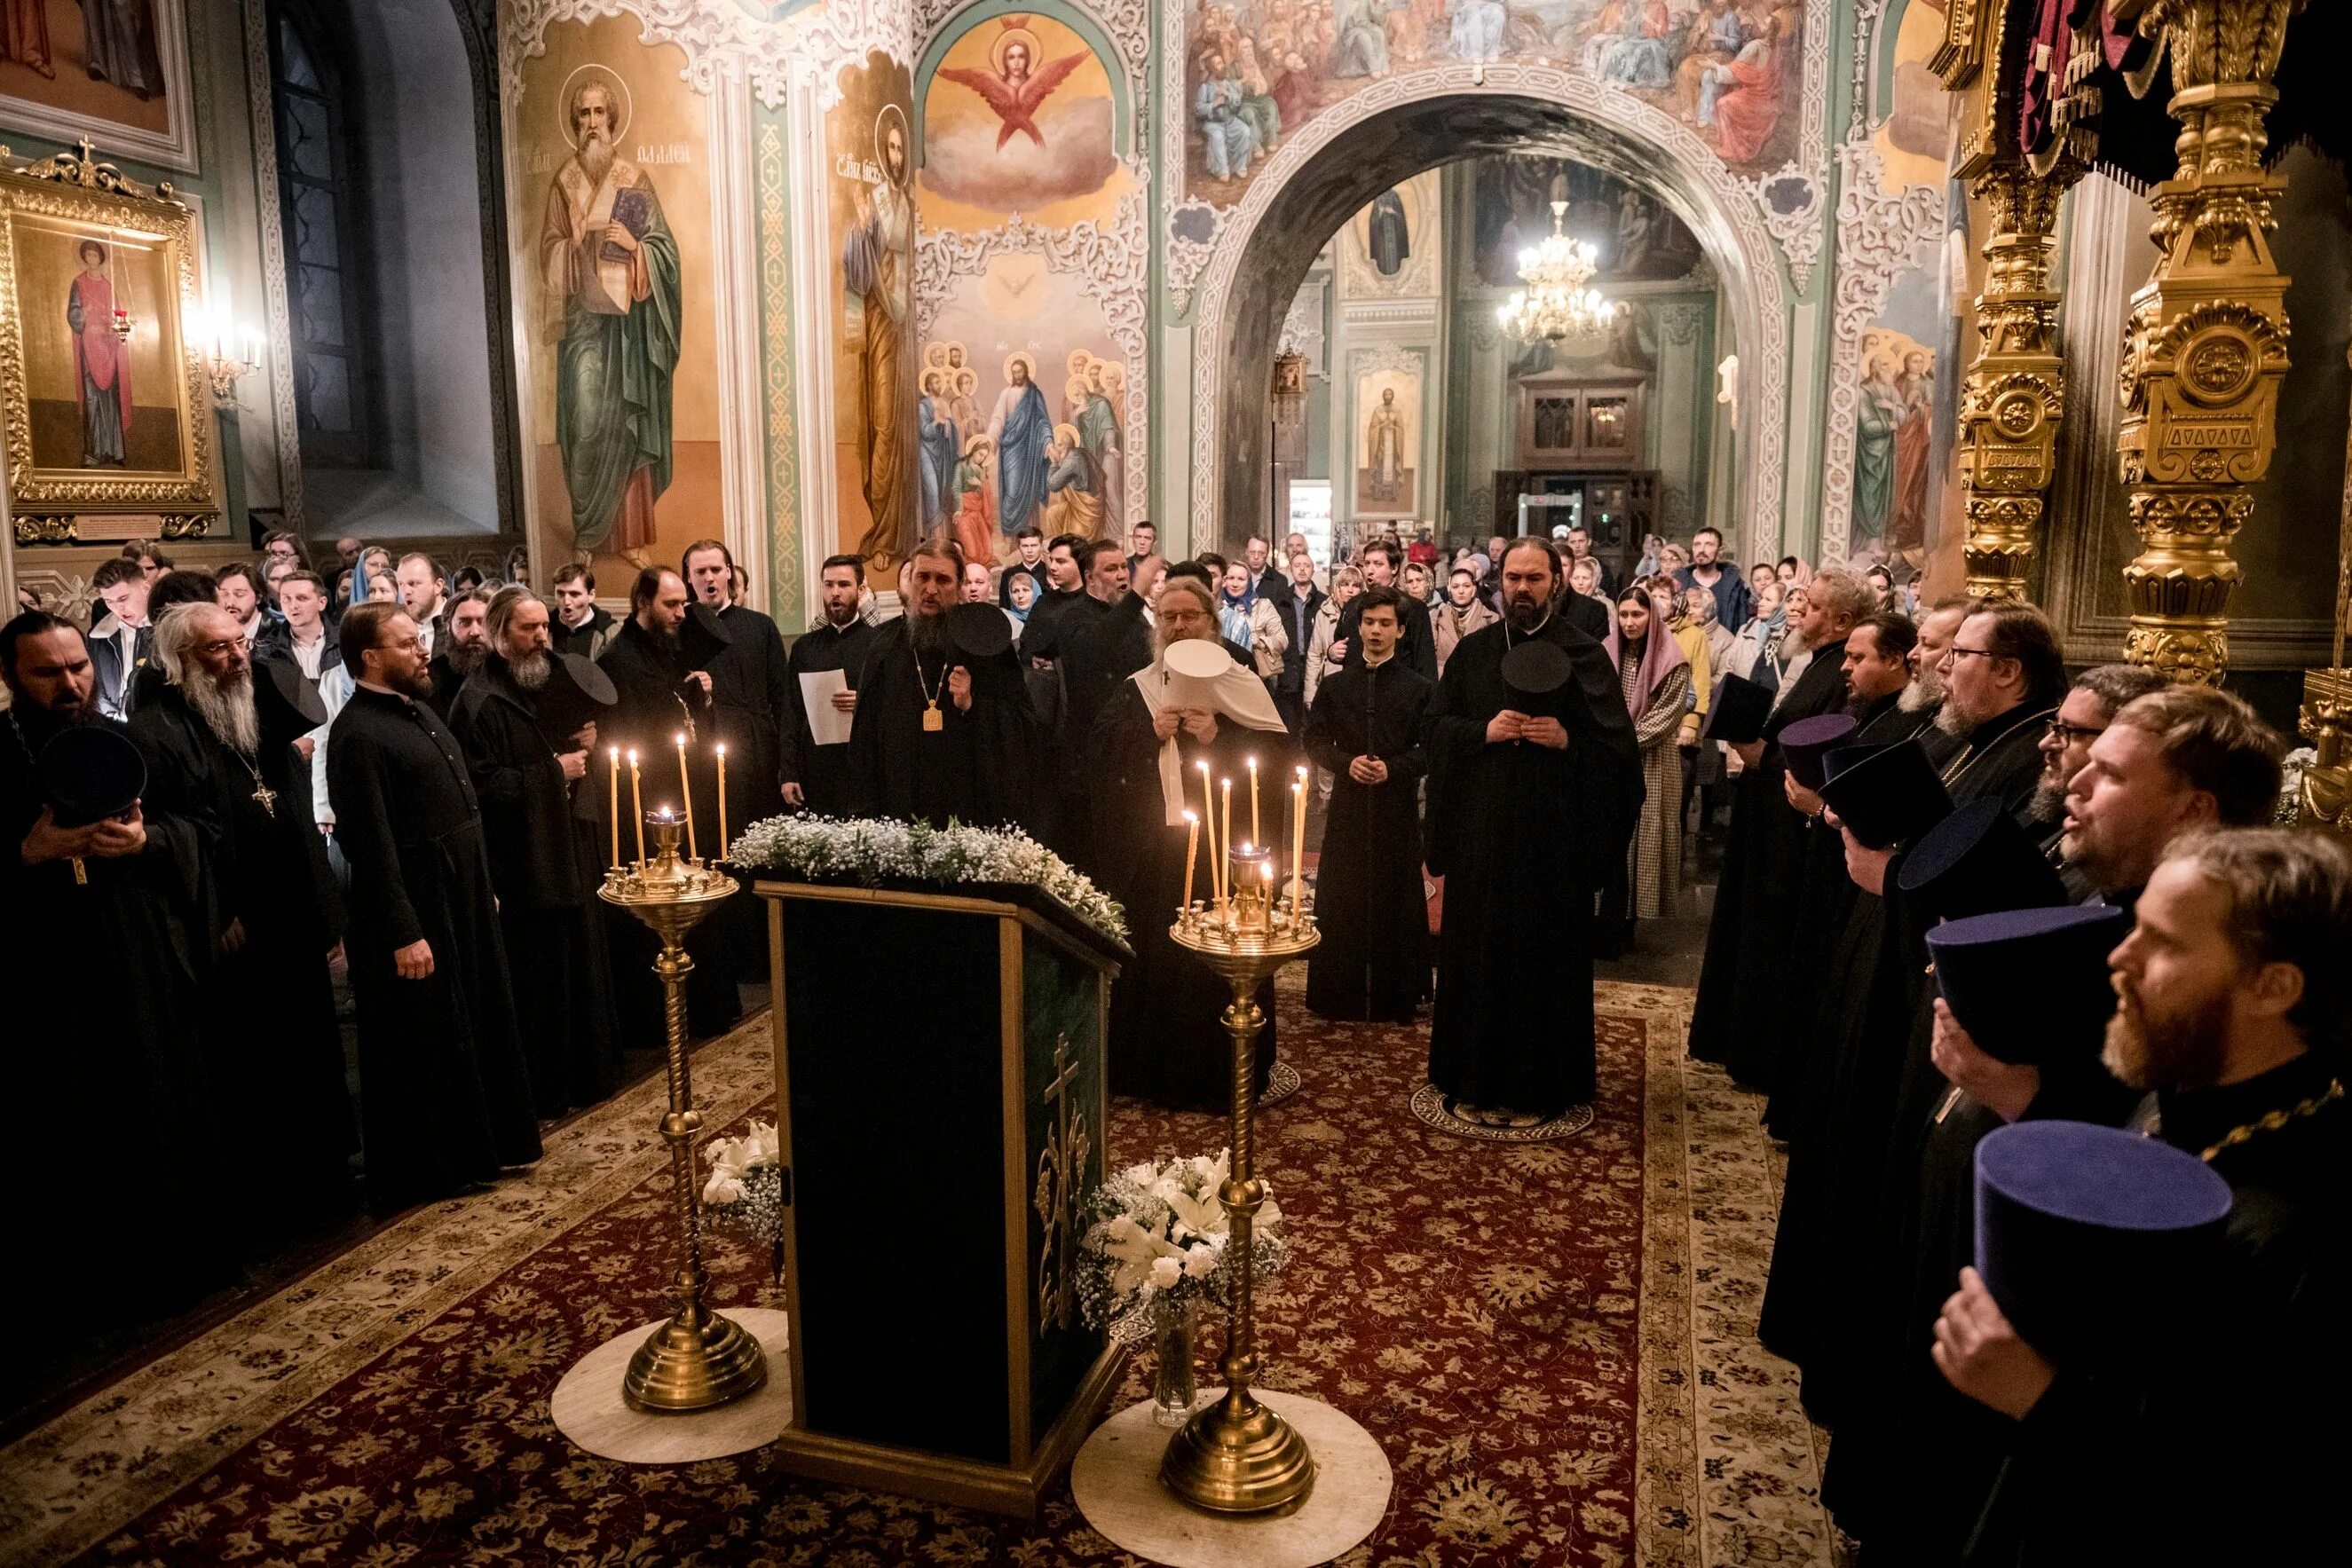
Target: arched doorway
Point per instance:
(1358, 148)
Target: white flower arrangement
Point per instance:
(871, 849)
(746, 1188)
(1162, 1229)
(2291, 768)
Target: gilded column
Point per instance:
(2015, 391)
(2205, 344)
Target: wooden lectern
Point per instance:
(940, 1105)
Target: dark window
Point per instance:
(317, 198)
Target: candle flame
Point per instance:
(1191, 816)
(679, 740)
(1267, 867)
(614, 752)
(1246, 851)
(633, 756)
(722, 748)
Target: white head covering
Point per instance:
(1197, 672)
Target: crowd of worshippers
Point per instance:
(2052, 1022)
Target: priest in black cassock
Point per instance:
(532, 773)
(1367, 730)
(1528, 810)
(242, 785)
(660, 662)
(104, 1015)
(751, 698)
(941, 735)
(817, 778)
(1745, 974)
(445, 1096)
(1166, 1043)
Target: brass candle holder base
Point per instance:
(1238, 1456)
(698, 1359)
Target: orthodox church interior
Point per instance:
(2042, 299)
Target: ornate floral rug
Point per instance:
(1554, 1343)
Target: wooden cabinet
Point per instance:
(1580, 422)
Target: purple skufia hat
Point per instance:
(1806, 744)
(1738, 711)
(2084, 1234)
(1978, 861)
(2031, 985)
(1888, 796)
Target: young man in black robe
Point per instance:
(1367, 730)
(540, 822)
(817, 778)
(1745, 974)
(582, 625)
(2213, 1442)
(1914, 1459)
(1094, 650)
(465, 643)
(105, 1017)
(940, 736)
(242, 786)
(750, 694)
(445, 1098)
(1527, 811)
(1166, 1042)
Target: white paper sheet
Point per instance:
(826, 722)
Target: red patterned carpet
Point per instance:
(1480, 1309)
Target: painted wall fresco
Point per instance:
(611, 226)
(1387, 435)
(1393, 248)
(1017, 118)
(871, 152)
(1024, 411)
(1257, 71)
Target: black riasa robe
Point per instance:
(1374, 960)
(445, 1098)
(821, 772)
(541, 829)
(977, 768)
(1166, 1043)
(1745, 974)
(104, 1042)
(264, 872)
(1524, 836)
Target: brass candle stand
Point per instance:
(698, 1359)
(1238, 1456)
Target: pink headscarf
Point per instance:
(1660, 655)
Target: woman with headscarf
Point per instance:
(1165, 1042)
(1654, 556)
(1656, 681)
(1584, 577)
(1250, 623)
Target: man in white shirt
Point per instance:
(422, 587)
(311, 649)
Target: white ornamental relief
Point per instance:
(1387, 357)
(1797, 231)
(1302, 326)
(1682, 320)
(1878, 235)
(721, 42)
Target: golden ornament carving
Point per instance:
(39, 530)
(2205, 343)
(1061, 1178)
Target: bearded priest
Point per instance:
(1534, 787)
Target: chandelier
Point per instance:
(1556, 304)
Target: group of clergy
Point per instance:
(1919, 789)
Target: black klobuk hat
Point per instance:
(2031, 985)
(980, 631)
(1533, 674)
(1886, 798)
(89, 772)
(1737, 712)
(1978, 861)
(1808, 742)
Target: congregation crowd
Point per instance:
(382, 784)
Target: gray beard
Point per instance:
(1949, 720)
(227, 711)
(530, 670)
(1920, 696)
(928, 633)
(2049, 801)
(595, 158)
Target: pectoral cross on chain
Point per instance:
(1060, 1167)
(266, 797)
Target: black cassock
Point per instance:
(976, 767)
(1373, 960)
(1523, 835)
(542, 830)
(268, 1012)
(1100, 653)
(750, 687)
(103, 989)
(821, 772)
(445, 1098)
(1166, 1042)
(1745, 975)
(1416, 643)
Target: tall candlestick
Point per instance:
(612, 792)
(1257, 834)
(1209, 815)
(1192, 849)
(1225, 835)
(1299, 846)
(686, 789)
(637, 807)
(722, 800)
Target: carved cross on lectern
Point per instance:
(1060, 1167)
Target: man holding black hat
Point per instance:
(942, 731)
(274, 913)
(1533, 798)
(82, 861)
(530, 752)
(2209, 1443)
(1742, 977)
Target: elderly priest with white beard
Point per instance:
(272, 915)
(445, 1099)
